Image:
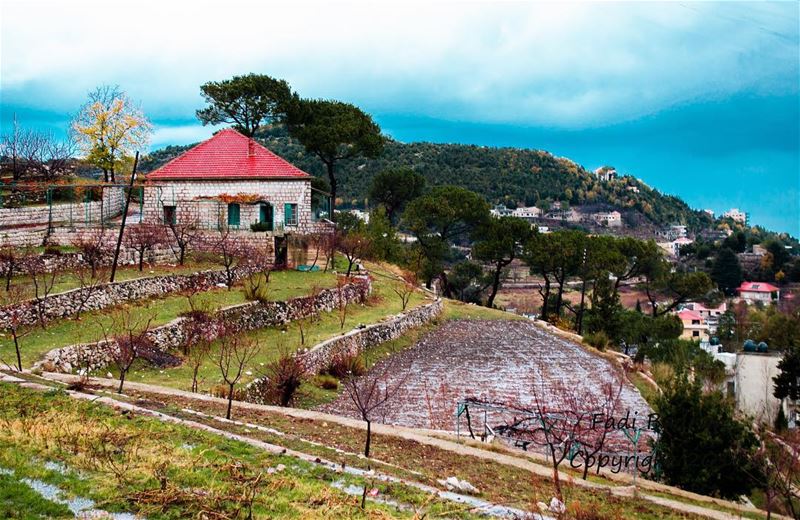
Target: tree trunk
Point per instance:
(332, 180)
(495, 286)
(194, 378)
(369, 438)
(121, 380)
(16, 347)
(141, 260)
(546, 299)
(581, 308)
(182, 256)
(230, 402)
(349, 267)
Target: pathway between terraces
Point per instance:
(435, 439)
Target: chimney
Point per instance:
(251, 148)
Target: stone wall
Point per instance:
(66, 304)
(356, 341)
(109, 206)
(249, 316)
(187, 197)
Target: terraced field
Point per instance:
(494, 360)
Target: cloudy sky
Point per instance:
(698, 99)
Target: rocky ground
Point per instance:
(507, 362)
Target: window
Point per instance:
(170, 215)
(290, 214)
(695, 333)
(731, 389)
(233, 215)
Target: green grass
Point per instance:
(649, 393)
(90, 327)
(18, 500)
(68, 280)
(130, 463)
(275, 340)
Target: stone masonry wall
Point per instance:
(186, 197)
(66, 304)
(356, 341)
(249, 316)
(93, 212)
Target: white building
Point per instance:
(528, 213)
(759, 292)
(611, 219)
(736, 215)
(500, 211)
(605, 174)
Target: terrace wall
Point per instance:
(248, 316)
(356, 341)
(109, 206)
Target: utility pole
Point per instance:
(124, 218)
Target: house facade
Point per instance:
(231, 180)
(759, 292)
(695, 327)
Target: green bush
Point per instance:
(327, 382)
(598, 340)
(346, 364)
(261, 226)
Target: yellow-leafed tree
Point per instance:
(109, 128)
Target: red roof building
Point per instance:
(228, 155)
(232, 181)
(763, 292)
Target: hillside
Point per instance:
(511, 176)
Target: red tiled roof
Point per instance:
(757, 287)
(227, 155)
(688, 315)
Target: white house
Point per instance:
(759, 292)
(736, 215)
(609, 219)
(527, 213)
(605, 174)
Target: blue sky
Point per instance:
(699, 99)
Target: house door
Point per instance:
(265, 215)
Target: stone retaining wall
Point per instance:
(249, 316)
(109, 206)
(318, 358)
(66, 304)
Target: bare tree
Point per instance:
(184, 231)
(44, 281)
(229, 249)
(342, 302)
(235, 352)
(200, 330)
(308, 309)
(38, 153)
(776, 466)
(127, 337)
(16, 324)
(89, 285)
(405, 288)
(144, 238)
(353, 246)
(94, 248)
(10, 263)
(372, 394)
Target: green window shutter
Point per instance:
(288, 218)
(233, 214)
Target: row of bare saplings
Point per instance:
(218, 337)
(32, 294)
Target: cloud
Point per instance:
(570, 65)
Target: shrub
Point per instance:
(222, 391)
(598, 340)
(327, 382)
(283, 379)
(578, 511)
(261, 226)
(663, 373)
(255, 289)
(345, 364)
(52, 251)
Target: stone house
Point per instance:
(232, 181)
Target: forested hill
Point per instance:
(512, 176)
